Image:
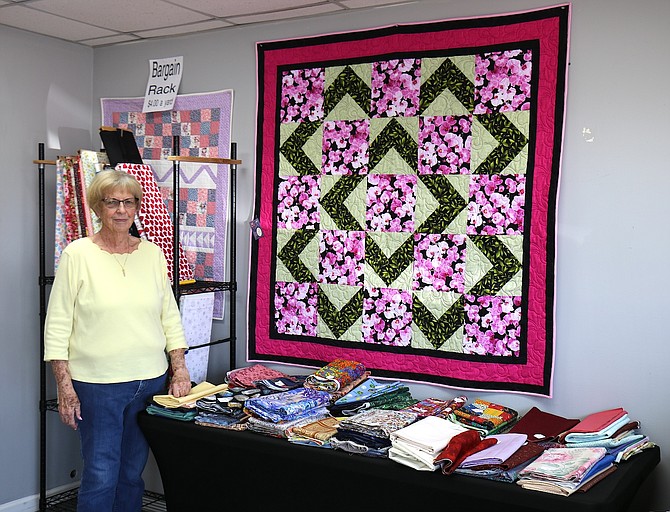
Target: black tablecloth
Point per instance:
(209, 469)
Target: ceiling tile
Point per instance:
(87, 21)
(293, 13)
(104, 41)
(184, 29)
(356, 4)
(121, 15)
(49, 25)
(227, 8)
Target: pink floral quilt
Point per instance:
(407, 185)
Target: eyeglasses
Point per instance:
(113, 204)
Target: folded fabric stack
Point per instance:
(288, 405)
(279, 384)
(493, 459)
(201, 390)
(611, 429)
(486, 417)
(566, 470)
(459, 447)
(372, 394)
(224, 410)
(508, 470)
(245, 377)
(237, 420)
(437, 406)
(368, 432)
(316, 433)
(174, 413)
(284, 428)
(183, 408)
(541, 426)
(417, 444)
(335, 375)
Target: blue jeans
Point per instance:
(113, 447)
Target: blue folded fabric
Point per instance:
(611, 444)
(605, 433)
(368, 389)
(287, 405)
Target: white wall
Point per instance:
(41, 79)
(611, 341)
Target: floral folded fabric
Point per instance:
(245, 377)
(379, 422)
(335, 375)
(437, 406)
(344, 390)
(283, 429)
(562, 464)
(288, 405)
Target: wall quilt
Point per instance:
(407, 185)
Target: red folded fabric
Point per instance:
(597, 421)
(461, 446)
(542, 426)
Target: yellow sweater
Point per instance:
(109, 327)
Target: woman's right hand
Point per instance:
(69, 408)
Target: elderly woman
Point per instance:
(112, 329)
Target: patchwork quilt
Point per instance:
(407, 185)
(203, 123)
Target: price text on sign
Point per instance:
(163, 85)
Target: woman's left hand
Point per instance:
(180, 383)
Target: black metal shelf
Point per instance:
(152, 502)
(180, 289)
(67, 502)
(205, 287)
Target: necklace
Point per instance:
(122, 265)
(118, 261)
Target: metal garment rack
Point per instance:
(151, 502)
(209, 286)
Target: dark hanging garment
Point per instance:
(120, 146)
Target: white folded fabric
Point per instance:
(430, 434)
(411, 456)
(417, 444)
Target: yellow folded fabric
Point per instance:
(201, 390)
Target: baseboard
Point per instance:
(32, 503)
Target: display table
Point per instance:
(211, 469)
